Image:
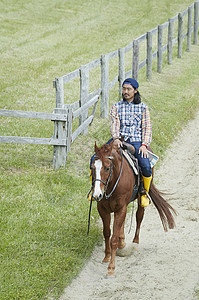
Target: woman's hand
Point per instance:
(143, 151)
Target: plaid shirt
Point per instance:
(131, 121)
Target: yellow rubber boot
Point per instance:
(144, 198)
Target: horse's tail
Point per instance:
(165, 210)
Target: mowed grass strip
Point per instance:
(41, 216)
(44, 213)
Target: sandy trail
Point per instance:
(166, 265)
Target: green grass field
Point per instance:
(43, 213)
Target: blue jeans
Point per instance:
(143, 162)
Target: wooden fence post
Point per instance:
(84, 91)
(170, 42)
(69, 127)
(60, 127)
(59, 86)
(135, 69)
(60, 132)
(195, 40)
(104, 86)
(149, 56)
(121, 69)
(189, 30)
(180, 34)
(159, 60)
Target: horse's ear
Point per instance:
(96, 148)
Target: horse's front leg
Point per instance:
(119, 219)
(106, 219)
(139, 218)
(121, 243)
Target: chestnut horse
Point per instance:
(113, 183)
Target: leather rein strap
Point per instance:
(109, 195)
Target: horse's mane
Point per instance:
(104, 151)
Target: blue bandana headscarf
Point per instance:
(132, 82)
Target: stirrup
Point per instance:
(145, 199)
(148, 196)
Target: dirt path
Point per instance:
(167, 264)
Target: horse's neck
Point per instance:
(117, 162)
(122, 168)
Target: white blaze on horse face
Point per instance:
(97, 189)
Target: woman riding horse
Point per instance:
(130, 119)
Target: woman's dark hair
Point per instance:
(137, 98)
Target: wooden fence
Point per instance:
(105, 60)
(62, 118)
(64, 114)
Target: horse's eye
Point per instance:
(107, 169)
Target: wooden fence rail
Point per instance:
(64, 114)
(58, 140)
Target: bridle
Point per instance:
(105, 183)
(108, 179)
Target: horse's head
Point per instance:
(102, 169)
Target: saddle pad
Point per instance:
(130, 161)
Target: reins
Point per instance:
(109, 195)
(89, 217)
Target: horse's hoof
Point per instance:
(128, 250)
(106, 260)
(121, 252)
(110, 274)
(122, 245)
(135, 248)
